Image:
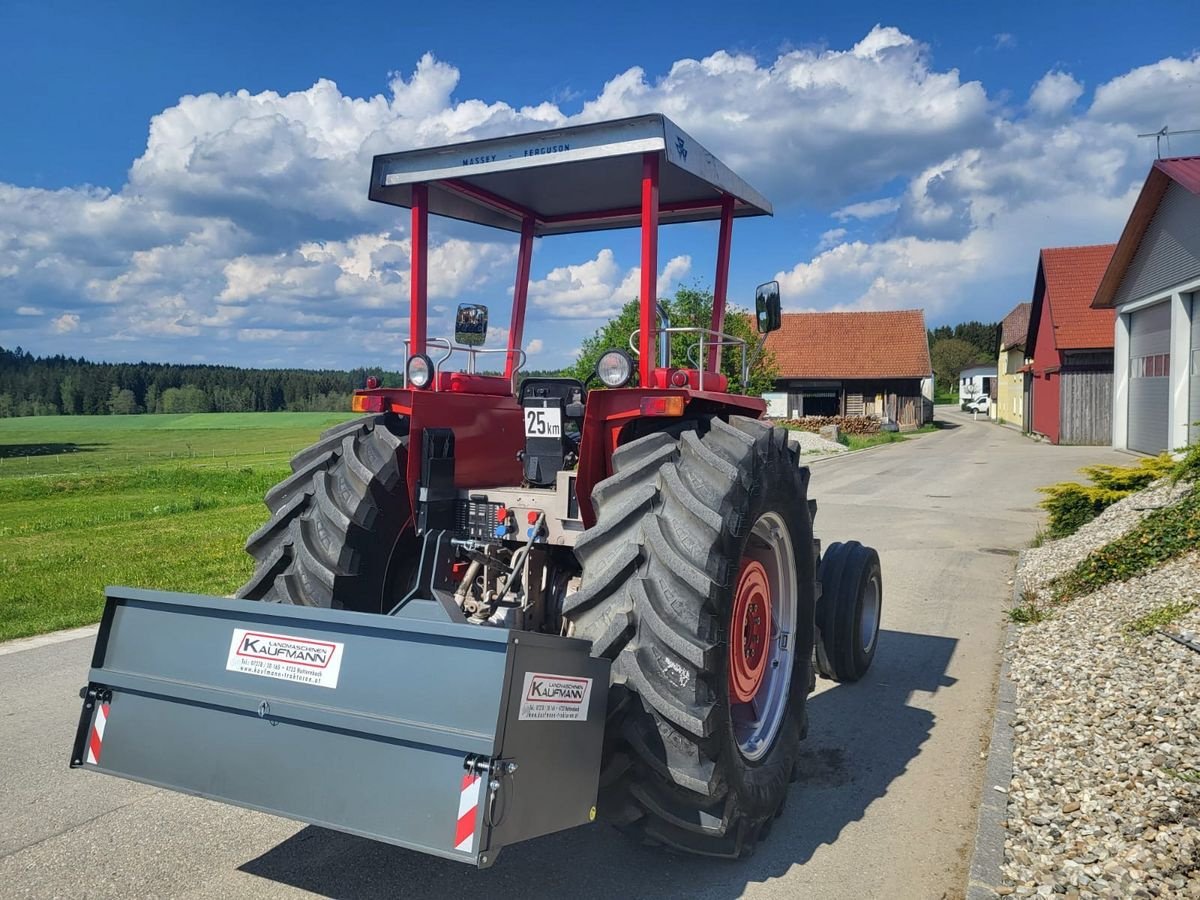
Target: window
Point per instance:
(1157, 366)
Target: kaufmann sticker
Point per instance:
(555, 698)
(284, 657)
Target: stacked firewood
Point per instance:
(846, 424)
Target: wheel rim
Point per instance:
(761, 636)
(868, 623)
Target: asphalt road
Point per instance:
(886, 809)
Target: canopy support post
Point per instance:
(721, 283)
(419, 270)
(516, 326)
(647, 336)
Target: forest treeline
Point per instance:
(61, 385)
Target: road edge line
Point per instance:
(17, 645)
(987, 855)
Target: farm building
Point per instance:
(852, 363)
(1010, 380)
(1153, 285)
(1070, 348)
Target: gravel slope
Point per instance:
(1105, 795)
(1053, 558)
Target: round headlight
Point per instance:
(420, 370)
(614, 368)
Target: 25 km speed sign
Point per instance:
(540, 423)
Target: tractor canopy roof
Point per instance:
(579, 178)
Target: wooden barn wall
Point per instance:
(1086, 406)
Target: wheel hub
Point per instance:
(764, 613)
(750, 631)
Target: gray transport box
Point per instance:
(377, 737)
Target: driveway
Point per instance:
(886, 809)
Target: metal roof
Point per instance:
(1184, 171)
(579, 178)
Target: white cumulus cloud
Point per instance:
(64, 323)
(1055, 93)
(244, 232)
(1151, 96)
(599, 287)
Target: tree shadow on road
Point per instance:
(863, 738)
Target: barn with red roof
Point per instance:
(1152, 289)
(873, 363)
(1070, 348)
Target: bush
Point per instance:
(1131, 478)
(1072, 505)
(1188, 468)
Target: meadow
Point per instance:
(148, 501)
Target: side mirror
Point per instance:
(767, 313)
(470, 324)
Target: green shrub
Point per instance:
(1131, 478)
(1163, 535)
(1072, 505)
(1188, 468)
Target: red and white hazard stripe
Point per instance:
(96, 738)
(468, 806)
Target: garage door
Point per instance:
(1149, 381)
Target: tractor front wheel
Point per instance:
(698, 583)
(848, 612)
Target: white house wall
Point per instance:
(1120, 416)
(1181, 351)
(1194, 369)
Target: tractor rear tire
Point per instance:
(336, 522)
(848, 612)
(698, 582)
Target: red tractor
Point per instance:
(492, 600)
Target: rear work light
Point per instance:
(368, 403)
(662, 406)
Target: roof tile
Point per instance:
(1072, 275)
(1015, 326)
(884, 344)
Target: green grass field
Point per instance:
(55, 445)
(149, 501)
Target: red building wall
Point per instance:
(1045, 385)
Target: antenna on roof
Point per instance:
(1164, 132)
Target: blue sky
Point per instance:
(186, 182)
